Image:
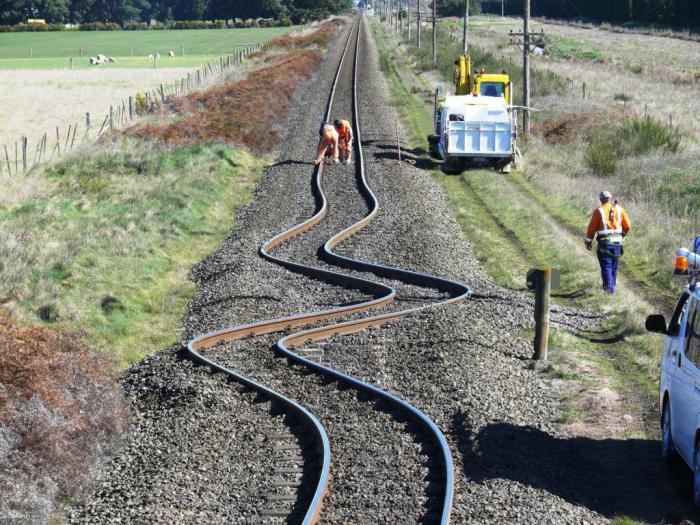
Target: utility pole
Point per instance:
(528, 40)
(434, 32)
(408, 22)
(464, 31)
(418, 26)
(526, 68)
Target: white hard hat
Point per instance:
(605, 196)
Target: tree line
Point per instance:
(125, 11)
(671, 13)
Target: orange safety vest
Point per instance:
(609, 221)
(345, 131)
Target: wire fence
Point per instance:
(21, 159)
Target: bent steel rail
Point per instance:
(383, 295)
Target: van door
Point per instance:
(685, 392)
(673, 343)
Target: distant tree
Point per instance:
(456, 7)
(18, 11)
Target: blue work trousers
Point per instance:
(609, 258)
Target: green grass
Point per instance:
(111, 241)
(510, 236)
(646, 255)
(16, 48)
(567, 48)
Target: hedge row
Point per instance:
(132, 26)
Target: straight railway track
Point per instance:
(385, 287)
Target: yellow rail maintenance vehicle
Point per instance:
(476, 124)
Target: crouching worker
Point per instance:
(344, 130)
(609, 224)
(328, 141)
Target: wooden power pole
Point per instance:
(528, 40)
(464, 30)
(418, 26)
(408, 21)
(526, 68)
(434, 32)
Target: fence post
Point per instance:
(16, 158)
(542, 290)
(584, 90)
(7, 158)
(24, 154)
(182, 47)
(75, 129)
(131, 107)
(111, 117)
(71, 62)
(162, 93)
(81, 52)
(65, 146)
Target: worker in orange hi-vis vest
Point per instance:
(609, 225)
(328, 141)
(344, 130)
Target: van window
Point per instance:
(455, 117)
(693, 352)
(491, 89)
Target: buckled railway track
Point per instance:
(320, 325)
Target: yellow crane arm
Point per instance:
(462, 76)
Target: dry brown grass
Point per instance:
(566, 128)
(34, 102)
(60, 414)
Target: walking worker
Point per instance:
(609, 224)
(344, 130)
(328, 140)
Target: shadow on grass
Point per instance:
(614, 477)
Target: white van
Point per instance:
(679, 387)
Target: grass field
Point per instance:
(52, 50)
(50, 94)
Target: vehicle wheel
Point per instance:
(667, 449)
(696, 477)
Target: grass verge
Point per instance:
(107, 247)
(503, 218)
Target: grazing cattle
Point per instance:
(111, 59)
(93, 61)
(157, 56)
(538, 51)
(171, 54)
(151, 58)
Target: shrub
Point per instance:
(622, 97)
(631, 137)
(134, 26)
(642, 135)
(100, 26)
(140, 103)
(286, 21)
(59, 414)
(601, 155)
